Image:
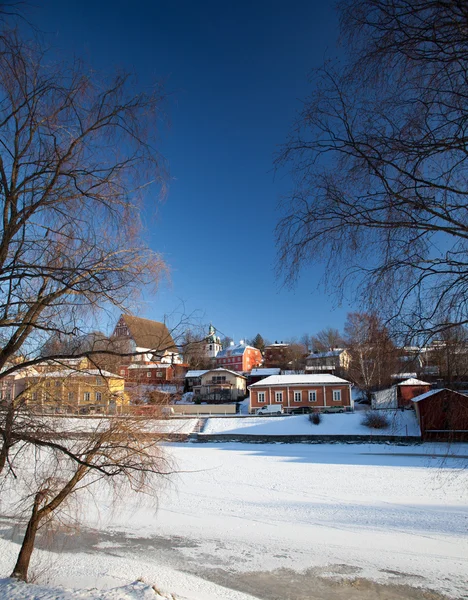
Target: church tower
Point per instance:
(212, 343)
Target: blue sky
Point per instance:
(234, 73)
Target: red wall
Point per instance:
(444, 416)
(345, 396)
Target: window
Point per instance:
(159, 374)
(278, 396)
(34, 396)
(71, 396)
(312, 395)
(98, 380)
(261, 397)
(47, 384)
(148, 374)
(336, 395)
(86, 396)
(122, 371)
(98, 397)
(57, 383)
(297, 396)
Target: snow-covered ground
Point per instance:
(391, 513)
(400, 423)
(86, 424)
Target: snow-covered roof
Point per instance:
(196, 373)
(152, 366)
(236, 373)
(403, 375)
(433, 393)
(266, 372)
(300, 380)
(329, 354)
(413, 381)
(234, 351)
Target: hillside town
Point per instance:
(140, 370)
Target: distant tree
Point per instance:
(306, 340)
(258, 342)
(193, 345)
(373, 355)
(226, 342)
(295, 357)
(327, 339)
(449, 352)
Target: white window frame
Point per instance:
(278, 396)
(312, 395)
(336, 395)
(98, 380)
(148, 373)
(98, 396)
(261, 397)
(86, 396)
(299, 394)
(71, 396)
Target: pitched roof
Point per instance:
(329, 354)
(300, 380)
(433, 392)
(149, 334)
(413, 381)
(264, 371)
(195, 373)
(223, 370)
(234, 351)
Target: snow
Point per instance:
(391, 513)
(264, 372)
(16, 590)
(300, 380)
(413, 381)
(401, 423)
(84, 424)
(195, 373)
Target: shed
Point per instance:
(442, 415)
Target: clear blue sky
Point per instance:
(235, 73)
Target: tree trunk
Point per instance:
(6, 435)
(22, 564)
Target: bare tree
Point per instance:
(327, 339)
(380, 164)
(373, 356)
(193, 345)
(76, 156)
(77, 159)
(120, 452)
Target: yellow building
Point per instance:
(71, 390)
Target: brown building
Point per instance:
(275, 355)
(307, 392)
(442, 415)
(151, 340)
(153, 373)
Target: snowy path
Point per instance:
(389, 513)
